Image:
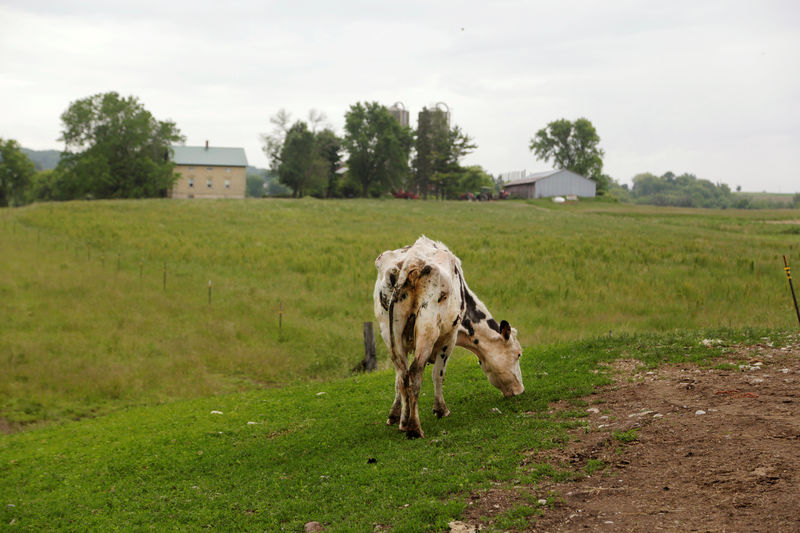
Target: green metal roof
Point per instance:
(211, 156)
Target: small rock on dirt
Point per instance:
(457, 526)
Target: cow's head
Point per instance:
(499, 355)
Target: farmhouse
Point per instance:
(209, 172)
(560, 182)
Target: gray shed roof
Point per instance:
(211, 156)
(532, 178)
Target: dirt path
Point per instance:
(710, 450)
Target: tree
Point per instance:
(273, 142)
(44, 186)
(281, 124)
(474, 178)
(301, 166)
(16, 171)
(114, 148)
(438, 151)
(254, 185)
(681, 191)
(378, 147)
(573, 146)
(310, 164)
(329, 147)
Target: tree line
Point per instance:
(375, 156)
(115, 148)
(687, 190)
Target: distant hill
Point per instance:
(43, 159)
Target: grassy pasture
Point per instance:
(272, 460)
(88, 327)
(768, 198)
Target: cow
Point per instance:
(423, 305)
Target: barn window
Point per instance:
(208, 183)
(227, 184)
(208, 168)
(191, 182)
(227, 169)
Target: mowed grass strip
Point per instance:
(275, 459)
(89, 327)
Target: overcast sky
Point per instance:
(707, 87)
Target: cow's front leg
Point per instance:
(439, 369)
(397, 406)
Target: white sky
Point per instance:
(707, 87)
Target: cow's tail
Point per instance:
(404, 289)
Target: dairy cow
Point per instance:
(424, 306)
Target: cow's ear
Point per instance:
(505, 329)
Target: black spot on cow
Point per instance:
(462, 288)
(493, 324)
(408, 330)
(442, 296)
(441, 373)
(466, 324)
(476, 341)
(393, 278)
(455, 321)
(424, 305)
(505, 329)
(473, 313)
(425, 270)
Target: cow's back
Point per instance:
(422, 280)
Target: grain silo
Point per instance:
(398, 111)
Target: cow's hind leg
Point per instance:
(397, 406)
(412, 382)
(439, 369)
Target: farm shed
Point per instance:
(209, 172)
(551, 183)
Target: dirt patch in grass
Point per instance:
(678, 448)
(6, 426)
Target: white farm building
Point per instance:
(552, 183)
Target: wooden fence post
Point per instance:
(370, 361)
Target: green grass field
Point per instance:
(764, 199)
(112, 378)
(88, 326)
(274, 460)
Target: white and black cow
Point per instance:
(424, 306)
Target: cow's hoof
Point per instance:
(414, 433)
(392, 420)
(440, 413)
